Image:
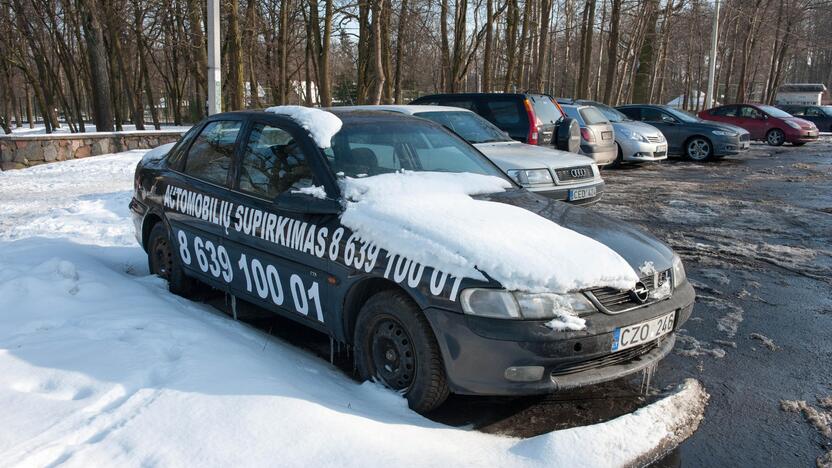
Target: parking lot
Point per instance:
(755, 231)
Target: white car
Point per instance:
(550, 172)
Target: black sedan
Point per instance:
(821, 116)
(688, 135)
(266, 206)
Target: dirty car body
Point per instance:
(203, 214)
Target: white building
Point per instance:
(808, 94)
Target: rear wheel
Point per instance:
(395, 345)
(699, 149)
(163, 261)
(775, 137)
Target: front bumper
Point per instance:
(562, 192)
(137, 212)
(477, 351)
(724, 146)
(802, 136)
(639, 151)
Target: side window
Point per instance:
(811, 112)
(504, 112)
(177, 154)
(655, 115)
(273, 163)
(631, 112)
(210, 155)
(748, 112)
(465, 104)
(727, 111)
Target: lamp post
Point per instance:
(214, 64)
(709, 94)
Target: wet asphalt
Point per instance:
(755, 233)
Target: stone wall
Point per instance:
(18, 152)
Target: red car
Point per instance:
(766, 123)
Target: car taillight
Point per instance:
(587, 135)
(534, 123)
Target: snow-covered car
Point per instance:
(396, 237)
(557, 174)
(637, 141)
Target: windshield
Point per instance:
(365, 148)
(468, 125)
(611, 114)
(682, 115)
(775, 112)
(826, 110)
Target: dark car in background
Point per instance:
(688, 135)
(765, 123)
(535, 119)
(821, 116)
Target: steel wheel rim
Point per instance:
(699, 149)
(392, 353)
(162, 258)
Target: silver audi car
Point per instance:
(550, 172)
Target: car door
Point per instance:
(279, 249)
(753, 120)
(196, 194)
(814, 115)
(667, 124)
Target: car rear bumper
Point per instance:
(563, 193)
(478, 351)
(602, 155)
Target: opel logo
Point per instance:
(579, 172)
(640, 293)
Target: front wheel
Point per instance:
(775, 137)
(699, 149)
(163, 261)
(395, 345)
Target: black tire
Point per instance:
(699, 148)
(395, 345)
(619, 158)
(163, 261)
(775, 137)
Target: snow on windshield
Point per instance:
(431, 218)
(320, 124)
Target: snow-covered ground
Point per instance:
(39, 129)
(101, 366)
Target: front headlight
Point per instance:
(679, 275)
(724, 133)
(499, 303)
(531, 176)
(794, 125)
(627, 133)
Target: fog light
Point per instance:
(524, 373)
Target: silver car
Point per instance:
(597, 133)
(637, 141)
(550, 172)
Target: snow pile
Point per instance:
(102, 366)
(320, 124)
(316, 191)
(431, 218)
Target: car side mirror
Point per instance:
(307, 204)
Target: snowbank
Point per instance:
(320, 124)
(101, 366)
(431, 218)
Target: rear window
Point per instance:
(593, 116)
(545, 109)
(468, 125)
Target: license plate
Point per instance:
(640, 333)
(606, 135)
(581, 193)
(661, 148)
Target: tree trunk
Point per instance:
(403, 15)
(641, 83)
(97, 55)
(612, 54)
